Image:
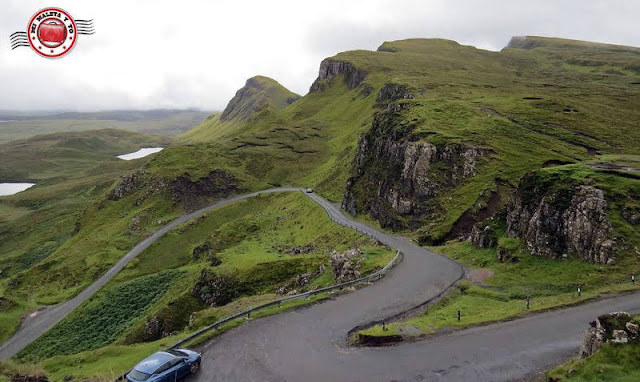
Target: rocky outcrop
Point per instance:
(132, 183)
(393, 176)
(191, 193)
(632, 215)
(215, 290)
(297, 249)
(346, 266)
(571, 221)
(300, 281)
(153, 328)
(615, 328)
(136, 225)
(484, 237)
(127, 185)
(205, 252)
(139, 181)
(183, 190)
(393, 92)
(330, 68)
(505, 255)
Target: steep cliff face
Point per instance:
(570, 222)
(395, 178)
(330, 68)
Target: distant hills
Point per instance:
(160, 121)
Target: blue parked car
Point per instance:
(165, 366)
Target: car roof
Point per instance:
(153, 362)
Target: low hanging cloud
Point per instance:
(161, 53)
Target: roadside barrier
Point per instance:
(374, 276)
(247, 313)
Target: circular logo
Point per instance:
(52, 32)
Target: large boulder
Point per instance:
(615, 328)
(346, 266)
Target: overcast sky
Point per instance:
(190, 53)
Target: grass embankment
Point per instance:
(252, 240)
(547, 282)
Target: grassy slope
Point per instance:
(462, 95)
(260, 95)
(165, 122)
(249, 238)
(71, 170)
(478, 97)
(310, 142)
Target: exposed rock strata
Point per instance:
(330, 68)
(393, 92)
(393, 176)
(215, 290)
(183, 190)
(189, 193)
(566, 223)
(484, 237)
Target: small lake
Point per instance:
(140, 153)
(13, 188)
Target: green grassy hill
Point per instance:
(527, 108)
(71, 171)
(260, 95)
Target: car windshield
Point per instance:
(138, 375)
(178, 353)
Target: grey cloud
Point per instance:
(124, 66)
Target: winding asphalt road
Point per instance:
(309, 344)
